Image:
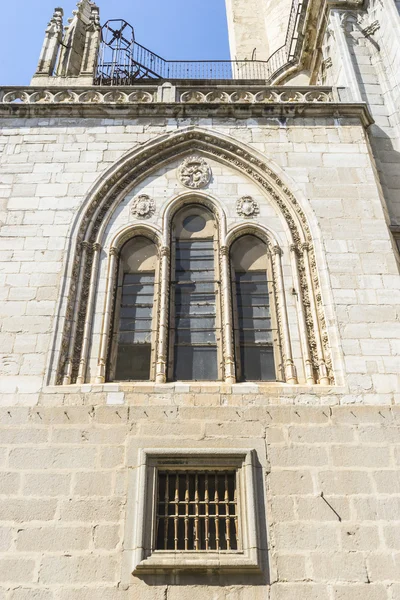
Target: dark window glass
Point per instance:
(195, 352)
(253, 330)
(135, 327)
(194, 223)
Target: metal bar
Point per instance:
(236, 519)
(187, 512)
(176, 518)
(227, 516)
(166, 500)
(207, 519)
(196, 520)
(216, 500)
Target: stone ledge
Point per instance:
(182, 111)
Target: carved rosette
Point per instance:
(143, 207)
(194, 172)
(247, 207)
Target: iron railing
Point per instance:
(122, 61)
(110, 73)
(286, 54)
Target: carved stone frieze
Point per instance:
(247, 207)
(143, 207)
(194, 172)
(371, 29)
(103, 95)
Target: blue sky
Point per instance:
(174, 29)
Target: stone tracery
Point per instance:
(129, 171)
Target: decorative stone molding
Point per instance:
(91, 95)
(105, 95)
(254, 97)
(102, 102)
(371, 29)
(247, 207)
(194, 172)
(129, 172)
(143, 207)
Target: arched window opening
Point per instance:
(133, 339)
(254, 330)
(195, 330)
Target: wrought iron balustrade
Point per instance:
(127, 74)
(122, 61)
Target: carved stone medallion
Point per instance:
(143, 207)
(247, 207)
(194, 172)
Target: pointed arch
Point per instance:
(131, 169)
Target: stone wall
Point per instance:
(64, 474)
(363, 54)
(66, 451)
(48, 167)
(247, 31)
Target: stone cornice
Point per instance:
(218, 101)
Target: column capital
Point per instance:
(165, 251)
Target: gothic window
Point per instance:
(133, 339)
(195, 319)
(254, 330)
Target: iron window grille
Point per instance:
(197, 510)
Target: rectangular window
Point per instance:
(135, 327)
(197, 510)
(195, 353)
(194, 509)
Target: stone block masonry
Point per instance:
(64, 489)
(329, 455)
(326, 163)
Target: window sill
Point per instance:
(193, 387)
(199, 561)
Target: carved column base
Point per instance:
(67, 373)
(101, 373)
(323, 374)
(81, 373)
(309, 372)
(161, 371)
(230, 371)
(290, 372)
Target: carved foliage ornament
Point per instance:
(143, 207)
(247, 207)
(194, 172)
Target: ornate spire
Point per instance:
(51, 44)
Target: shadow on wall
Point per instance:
(387, 160)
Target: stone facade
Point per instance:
(82, 168)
